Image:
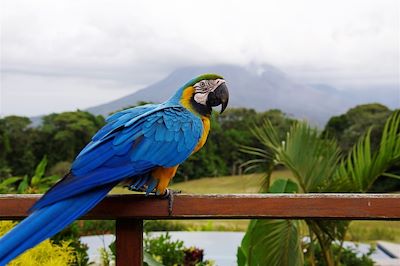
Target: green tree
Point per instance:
(64, 135)
(347, 128)
(16, 145)
(229, 132)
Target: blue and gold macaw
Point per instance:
(144, 144)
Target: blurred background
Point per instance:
(335, 65)
(302, 57)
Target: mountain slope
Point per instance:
(263, 88)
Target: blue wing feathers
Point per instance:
(132, 143)
(151, 186)
(73, 186)
(121, 118)
(169, 135)
(133, 111)
(160, 132)
(181, 146)
(128, 135)
(118, 160)
(178, 135)
(115, 159)
(165, 154)
(92, 158)
(141, 181)
(149, 131)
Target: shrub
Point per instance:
(46, 253)
(165, 250)
(71, 234)
(169, 252)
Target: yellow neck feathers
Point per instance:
(186, 98)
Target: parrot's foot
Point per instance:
(169, 194)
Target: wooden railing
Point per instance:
(129, 211)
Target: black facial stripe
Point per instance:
(204, 110)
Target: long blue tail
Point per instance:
(47, 221)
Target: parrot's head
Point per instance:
(204, 92)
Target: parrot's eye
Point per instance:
(202, 84)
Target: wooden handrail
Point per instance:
(129, 211)
(226, 206)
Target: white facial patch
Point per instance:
(204, 87)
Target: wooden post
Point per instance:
(129, 242)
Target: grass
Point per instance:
(221, 185)
(228, 184)
(358, 231)
(374, 230)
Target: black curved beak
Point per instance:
(220, 96)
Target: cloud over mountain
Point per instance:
(262, 88)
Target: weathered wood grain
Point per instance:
(236, 206)
(129, 242)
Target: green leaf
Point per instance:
(23, 186)
(39, 172)
(283, 186)
(391, 175)
(5, 185)
(50, 179)
(241, 257)
(271, 242)
(10, 180)
(311, 158)
(149, 260)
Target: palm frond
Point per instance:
(361, 168)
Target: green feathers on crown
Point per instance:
(207, 76)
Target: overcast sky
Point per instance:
(61, 55)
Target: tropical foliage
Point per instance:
(38, 183)
(318, 166)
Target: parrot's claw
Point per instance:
(169, 194)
